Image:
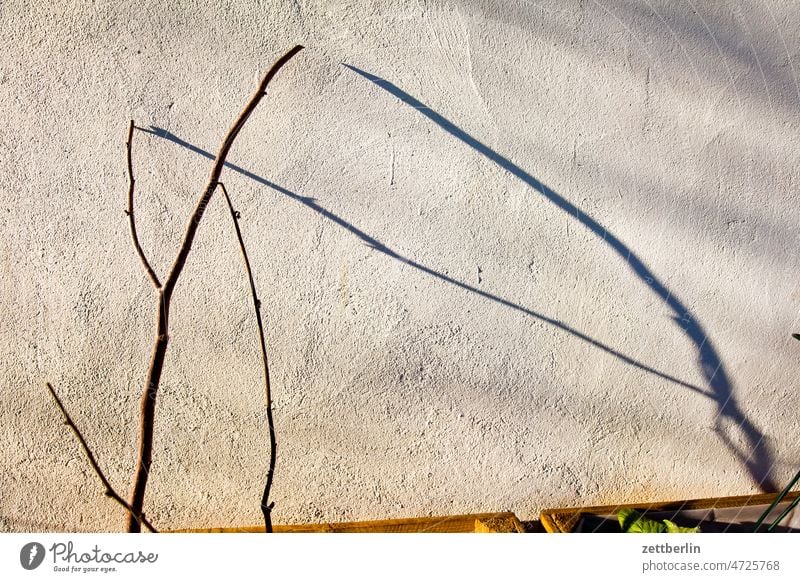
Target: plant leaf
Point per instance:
(631, 521)
(645, 525)
(675, 528)
(626, 517)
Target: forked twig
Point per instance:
(266, 506)
(148, 402)
(109, 489)
(131, 184)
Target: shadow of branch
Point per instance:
(708, 359)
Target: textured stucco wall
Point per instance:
(569, 278)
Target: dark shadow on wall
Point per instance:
(757, 457)
(381, 248)
(373, 243)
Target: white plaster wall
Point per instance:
(447, 333)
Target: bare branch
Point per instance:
(256, 301)
(216, 170)
(266, 506)
(148, 402)
(109, 490)
(145, 263)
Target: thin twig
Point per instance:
(148, 402)
(109, 489)
(131, 181)
(266, 506)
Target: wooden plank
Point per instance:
(499, 524)
(505, 522)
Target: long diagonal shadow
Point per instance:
(373, 243)
(758, 460)
(380, 247)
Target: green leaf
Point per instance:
(622, 517)
(631, 521)
(645, 525)
(626, 517)
(675, 528)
